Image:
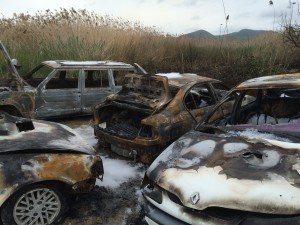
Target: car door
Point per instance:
(59, 94)
(97, 85)
(199, 100)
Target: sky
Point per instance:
(174, 17)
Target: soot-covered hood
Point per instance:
(19, 134)
(144, 91)
(246, 170)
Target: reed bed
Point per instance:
(83, 35)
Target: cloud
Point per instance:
(188, 3)
(195, 17)
(173, 16)
(267, 14)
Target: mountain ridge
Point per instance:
(244, 34)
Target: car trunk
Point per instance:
(124, 122)
(140, 97)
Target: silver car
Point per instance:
(60, 88)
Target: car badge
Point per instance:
(195, 198)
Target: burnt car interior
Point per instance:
(268, 106)
(198, 97)
(269, 110)
(124, 119)
(95, 78)
(64, 80)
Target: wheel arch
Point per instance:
(11, 109)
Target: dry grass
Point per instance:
(83, 35)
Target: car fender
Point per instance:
(21, 103)
(67, 169)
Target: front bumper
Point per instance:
(161, 214)
(155, 216)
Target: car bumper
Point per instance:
(143, 149)
(156, 216)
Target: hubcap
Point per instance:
(39, 206)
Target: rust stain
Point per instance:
(72, 167)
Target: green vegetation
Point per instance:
(83, 35)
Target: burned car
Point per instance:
(60, 88)
(42, 164)
(151, 111)
(238, 167)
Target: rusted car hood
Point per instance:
(143, 91)
(245, 170)
(19, 134)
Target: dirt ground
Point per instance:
(105, 205)
(120, 206)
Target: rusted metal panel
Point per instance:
(274, 81)
(180, 80)
(150, 91)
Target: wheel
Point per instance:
(35, 204)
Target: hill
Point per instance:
(244, 34)
(200, 33)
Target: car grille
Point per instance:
(174, 198)
(216, 212)
(123, 130)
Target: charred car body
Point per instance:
(153, 110)
(239, 167)
(41, 165)
(60, 88)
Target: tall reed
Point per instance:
(84, 35)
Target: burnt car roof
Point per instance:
(69, 63)
(274, 81)
(179, 80)
(19, 134)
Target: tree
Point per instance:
(291, 28)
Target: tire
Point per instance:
(34, 204)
